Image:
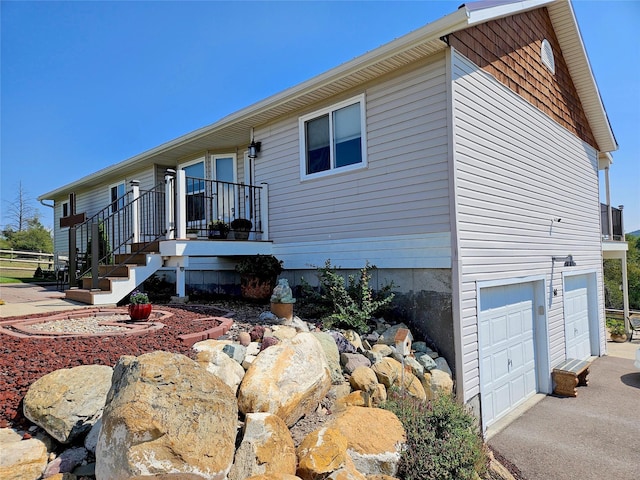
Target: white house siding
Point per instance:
(403, 190)
(516, 171)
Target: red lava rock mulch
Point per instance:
(24, 360)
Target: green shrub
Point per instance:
(346, 305)
(443, 442)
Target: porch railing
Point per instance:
(611, 225)
(209, 200)
(125, 226)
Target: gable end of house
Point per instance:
(510, 50)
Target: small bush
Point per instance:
(348, 304)
(443, 442)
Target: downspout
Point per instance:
(46, 204)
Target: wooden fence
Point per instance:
(37, 259)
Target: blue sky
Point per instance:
(88, 84)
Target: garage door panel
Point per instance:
(576, 301)
(507, 350)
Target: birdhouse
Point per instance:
(403, 341)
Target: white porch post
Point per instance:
(169, 206)
(264, 210)
(181, 204)
(135, 214)
(181, 280)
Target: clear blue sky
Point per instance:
(88, 84)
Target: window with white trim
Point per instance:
(116, 195)
(333, 139)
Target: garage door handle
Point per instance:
(509, 363)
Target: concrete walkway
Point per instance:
(28, 298)
(595, 436)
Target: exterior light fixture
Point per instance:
(568, 260)
(254, 148)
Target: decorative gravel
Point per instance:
(82, 325)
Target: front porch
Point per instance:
(142, 231)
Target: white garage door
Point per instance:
(576, 316)
(508, 368)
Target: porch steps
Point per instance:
(120, 280)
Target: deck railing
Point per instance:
(209, 200)
(611, 225)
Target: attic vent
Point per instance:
(546, 52)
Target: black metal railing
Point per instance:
(111, 231)
(616, 223)
(209, 200)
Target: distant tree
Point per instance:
(613, 277)
(34, 238)
(20, 211)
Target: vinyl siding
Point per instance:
(402, 191)
(517, 170)
(90, 201)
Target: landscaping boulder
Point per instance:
(391, 374)
(219, 363)
(332, 355)
(288, 379)
(66, 461)
(267, 448)
(67, 402)
(166, 414)
(320, 453)
(21, 459)
(375, 438)
(436, 382)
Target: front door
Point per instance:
(224, 173)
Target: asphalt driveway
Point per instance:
(595, 436)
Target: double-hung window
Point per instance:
(116, 193)
(332, 140)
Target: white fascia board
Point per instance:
(587, 86)
(494, 12)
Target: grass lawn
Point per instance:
(19, 272)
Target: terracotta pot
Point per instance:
(282, 310)
(140, 311)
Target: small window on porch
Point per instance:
(116, 193)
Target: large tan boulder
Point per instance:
(267, 448)
(288, 379)
(67, 402)
(391, 374)
(21, 459)
(437, 382)
(364, 378)
(224, 367)
(375, 438)
(166, 414)
(274, 476)
(321, 453)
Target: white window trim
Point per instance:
(327, 110)
(216, 156)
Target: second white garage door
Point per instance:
(576, 313)
(507, 348)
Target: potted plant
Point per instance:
(241, 228)
(258, 275)
(218, 229)
(282, 300)
(617, 331)
(139, 305)
(192, 233)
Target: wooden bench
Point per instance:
(569, 375)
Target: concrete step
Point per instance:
(86, 296)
